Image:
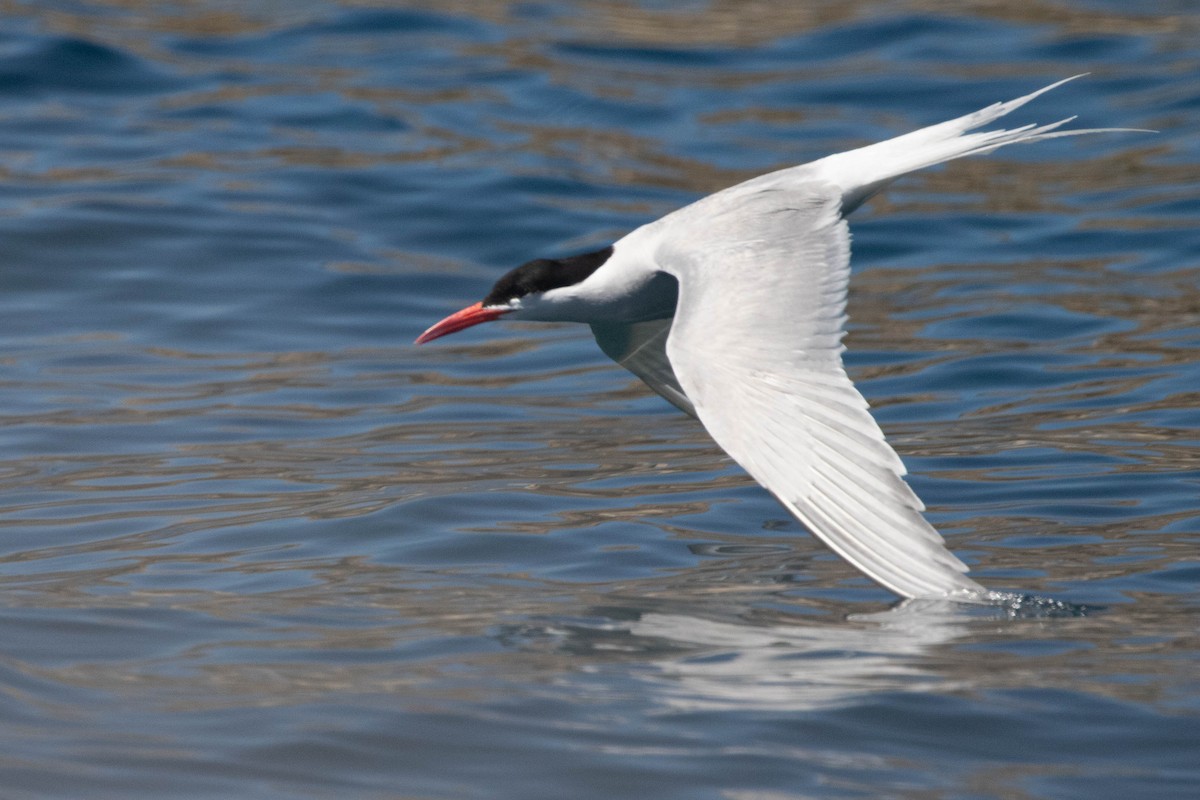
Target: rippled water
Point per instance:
(254, 544)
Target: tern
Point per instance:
(733, 309)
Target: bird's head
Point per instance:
(543, 289)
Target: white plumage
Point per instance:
(753, 349)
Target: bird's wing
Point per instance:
(641, 348)
(756, 347)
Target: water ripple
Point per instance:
(254, 544)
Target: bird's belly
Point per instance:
(655, 298)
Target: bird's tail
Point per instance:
(863, 172)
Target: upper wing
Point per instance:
(756, 347)
(641, 348)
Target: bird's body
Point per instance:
(733, 309)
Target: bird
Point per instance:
(732, 309)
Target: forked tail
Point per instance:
(863, 172)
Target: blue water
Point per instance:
(254, 544)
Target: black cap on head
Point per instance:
(544, 274)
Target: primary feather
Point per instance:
(755, 344)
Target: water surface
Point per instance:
(254, 544)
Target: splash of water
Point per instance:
(1031, 606)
